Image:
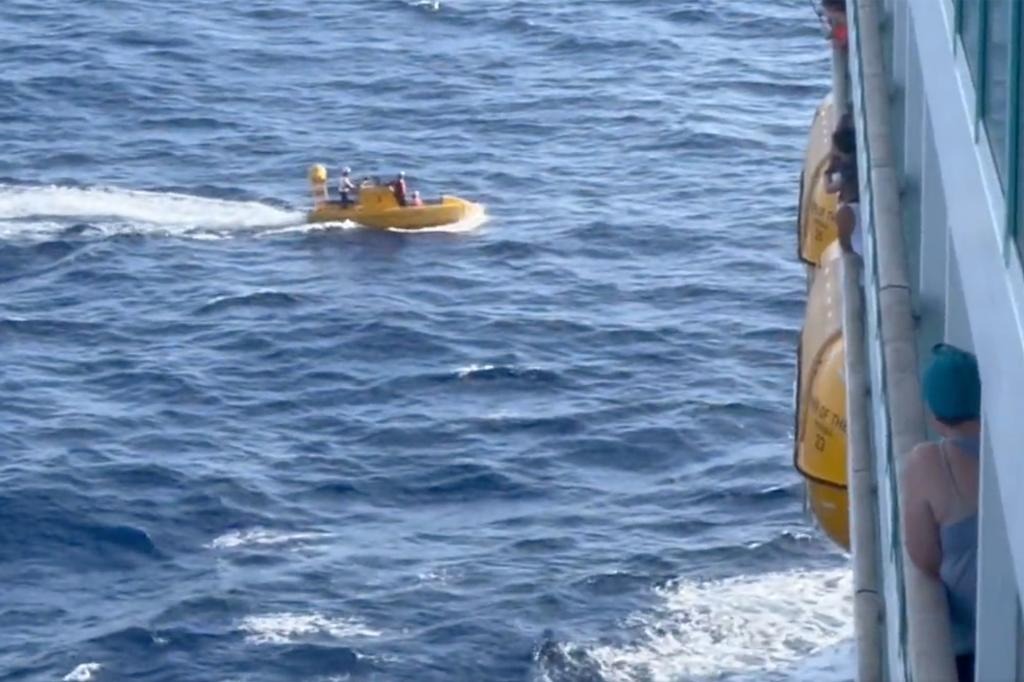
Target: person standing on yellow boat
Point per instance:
(346, 187)
(400, 190)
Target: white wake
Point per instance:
(749, 625)
(44, 210)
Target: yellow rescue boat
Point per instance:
(377, 206)
(816, 218)
(820, 434)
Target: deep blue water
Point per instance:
(554, 446)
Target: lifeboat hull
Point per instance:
(449, 210)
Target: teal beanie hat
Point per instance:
(952, 385)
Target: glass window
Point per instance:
(996, 107)
(970, 33)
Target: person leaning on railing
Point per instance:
(841, 177)
(835, 12)
(842, 154)
(940, 492)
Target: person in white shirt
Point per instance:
(346, 187)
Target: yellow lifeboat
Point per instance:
(816, 223)
(820, 446)
(377, 206)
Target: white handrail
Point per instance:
(860, 476)
(927, 649)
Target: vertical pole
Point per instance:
(840, 81)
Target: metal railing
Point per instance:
(868, 609)
(918, 644)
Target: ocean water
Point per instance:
(552, 445)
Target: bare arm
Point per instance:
(833, 163)
(920, 528)
(833, 182)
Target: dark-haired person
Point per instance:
(940, 492)
(835, 11)
(400, 190)
(843, 154)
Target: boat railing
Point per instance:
(914, 619)
(868, 610)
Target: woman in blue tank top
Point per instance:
(940, 492)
